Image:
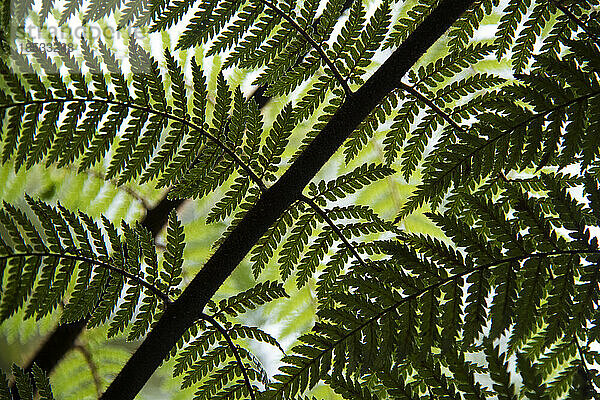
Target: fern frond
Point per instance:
(268, 243)
(178, 128)
(444, 170)
(434, 73)
(75, 244)
(174, 12)
(476, 304)
(463, 29)
(218, 380)
(232, 34)
(532, 382)
(172, 264)
(207, 22)
(536, 21)
(143, 127)
(500, 373)
(504, 304)
(350, 389)
(348, 183)
(250, 299)
(277, 139)
(253, 40)
(23, 382)
(294, 245)
(513, 13)
(369, 125)
(371, 39)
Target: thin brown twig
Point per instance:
(233, 348)
(87, 356)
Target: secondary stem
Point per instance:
(233, 348)
(314, 45)
(334, 227)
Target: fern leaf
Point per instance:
(110, 299)
(350, 389)
(275, 143)
(369, 125)
(406, 24)
(370, 40)
(173, 262)
(230, 200)
(178, 127)
(539, 17)
(42, 383)
(312, 258)
(293, 246)
(503, 308)
(207, 363)
(125, 312)
(174, 13)
(144, 318)
(500, 373)
(452, 309)
(349, 183)
(513, 13)
(251, 298)
(232, 34)
(434, 73)
(148, 86)
(399, 130)
(254, 38)
(207, 22)
(218, 380)
(463, 29)
(272, 47)
(257, 334)
(529, 302)
(532, 382)
(184, 158)
(313, 98)
(22, 382)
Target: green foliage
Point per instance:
(39, 270)
(494, 295)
